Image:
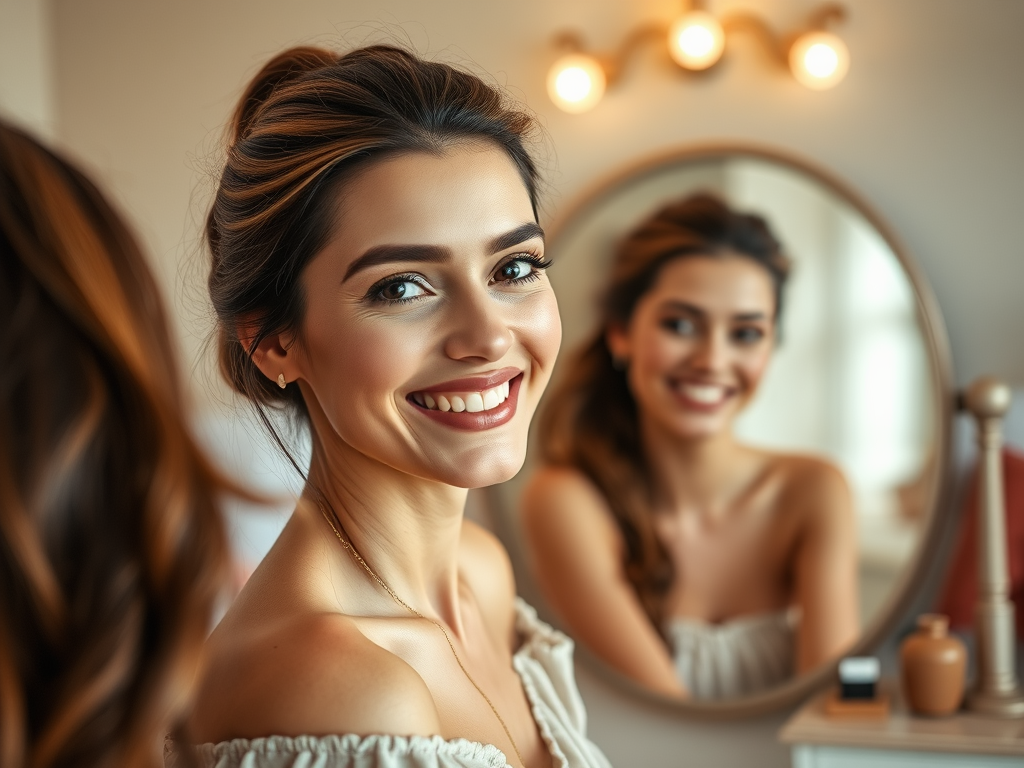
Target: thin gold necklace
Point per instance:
(383, 585)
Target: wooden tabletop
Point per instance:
(962, 732)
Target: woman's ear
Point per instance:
(617, 340)
(275, 355)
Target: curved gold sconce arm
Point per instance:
(696, 41)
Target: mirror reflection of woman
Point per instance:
(694, 564)
(378, 276)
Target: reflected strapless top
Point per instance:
(543, 662)
(736, 658)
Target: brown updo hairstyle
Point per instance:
(112, 550)
(307, 121)
(590, 421)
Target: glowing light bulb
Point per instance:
(696, 40)
(819, 60)
(576, 82)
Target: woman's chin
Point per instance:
(485, 468)
(702, 427)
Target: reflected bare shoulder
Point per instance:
(559, 501)
(813, 483)
(312, 675)
(566, 483)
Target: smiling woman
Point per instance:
(694, 563)
(379, 272)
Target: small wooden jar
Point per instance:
(933, 666)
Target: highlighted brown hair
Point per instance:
(111, 545)
(309, 120)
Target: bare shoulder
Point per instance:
(560, 480)
(313, 675)
(487, 570)
(563, 493)
(562, 509)
(814, 487)
(481, 552)
(816, 475)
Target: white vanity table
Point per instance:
(902, 740)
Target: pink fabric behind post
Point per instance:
(961, 587)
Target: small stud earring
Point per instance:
(281, 381)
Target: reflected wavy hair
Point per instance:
(112, 549)
(590, 420)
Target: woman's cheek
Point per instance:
(364, 366)
(756, 366)
(541, 329)
(657, 351)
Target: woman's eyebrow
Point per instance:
(433, 254)
(516, 236)
(387, 254)
(682, 306)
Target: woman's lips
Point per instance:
(470, 409)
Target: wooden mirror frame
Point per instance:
(888, 619)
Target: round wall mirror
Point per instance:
(860, 376)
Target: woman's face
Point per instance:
(698, 343)
(430, 327)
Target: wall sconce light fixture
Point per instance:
(576, 82)
(817, 58)
(696, 40)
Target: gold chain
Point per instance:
(383, 585)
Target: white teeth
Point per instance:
(707, 394)
(471, 402)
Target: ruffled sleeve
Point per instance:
(348, 751)
(544, 662)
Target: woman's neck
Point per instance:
(407, 529)
(693, 473)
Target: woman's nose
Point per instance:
(478, 329)
(711, 353)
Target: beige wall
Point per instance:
(26, 65)
(928, 126)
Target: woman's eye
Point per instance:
(398, 290)
(748, 335)
(683, 326)
(520, 270)
(515, 270)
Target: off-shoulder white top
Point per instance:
(544, 663)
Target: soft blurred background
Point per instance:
(928, 126)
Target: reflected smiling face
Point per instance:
(430, 327)
(698, 343)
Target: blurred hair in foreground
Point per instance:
(112, 549)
